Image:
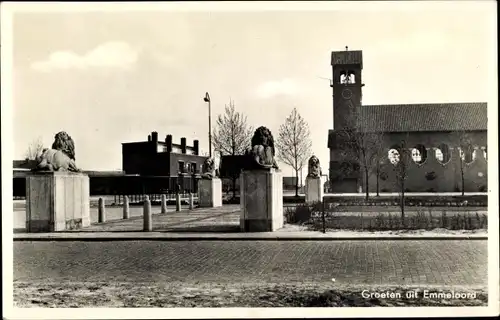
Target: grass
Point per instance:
(229, 295)
(416, 219)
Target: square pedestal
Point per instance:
(261, 200)
(314, 189)
(210, 193)
(57, 201)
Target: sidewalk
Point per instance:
(280, 235)
(223, 224)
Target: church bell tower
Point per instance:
(347, 94)
(346, 84)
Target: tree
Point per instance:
(401, 163)
(34, 149)
(465, 153)
(294, 144)
(232, 135)
(364, 147)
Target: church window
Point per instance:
(467, 154)
(443, 154)
(419, 154)
(393, 156)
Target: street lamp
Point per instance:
(207, 99)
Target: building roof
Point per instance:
(425, 117)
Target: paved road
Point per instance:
(349, 262)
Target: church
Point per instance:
(442, 146)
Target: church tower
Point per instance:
(346, 84)
(347, 94)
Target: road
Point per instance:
(412, 262)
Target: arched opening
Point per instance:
(351, 77)
(485, 154)
(443, 154)
(419, 154)
(393, 156)
(467, 154)
(343, 77)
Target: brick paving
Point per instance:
(450, 262)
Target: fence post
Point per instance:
(163, 203)
(148, 224)
(191, 201)
(126, 208)
(178, 202)
(101, 211)
(323, 215)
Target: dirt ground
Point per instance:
(62, 295)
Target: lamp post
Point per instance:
(207, 99)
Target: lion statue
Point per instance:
(55, 160)
(209, 170)
(64, 143)
(262, 152)
(314, 168)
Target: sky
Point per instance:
(108, 77)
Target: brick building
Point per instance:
(161, 158)
(444, 142)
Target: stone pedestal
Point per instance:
(57, 201)
(261, 200)
(314, 189)
(209, 193)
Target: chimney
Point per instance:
(168, 142)
(183, 145)
(149, 138)
(154, 136)
(196, 147)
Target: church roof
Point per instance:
(425, 117)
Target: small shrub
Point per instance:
(303, 213)
(444, 220)
(431, 220)
(383, 176)
(483, 188)
(431, 175)
(430, 190)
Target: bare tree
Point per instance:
(232, 135)
(34, 149)
(294, 143)
(364, 147)
(465, 153)
(401, 163)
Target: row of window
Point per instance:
(189, 167)
(443, 154)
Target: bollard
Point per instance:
(101, 211)
(126, 208)
(163, 203)
(178, 202)
(148, 223)
(191, 201)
